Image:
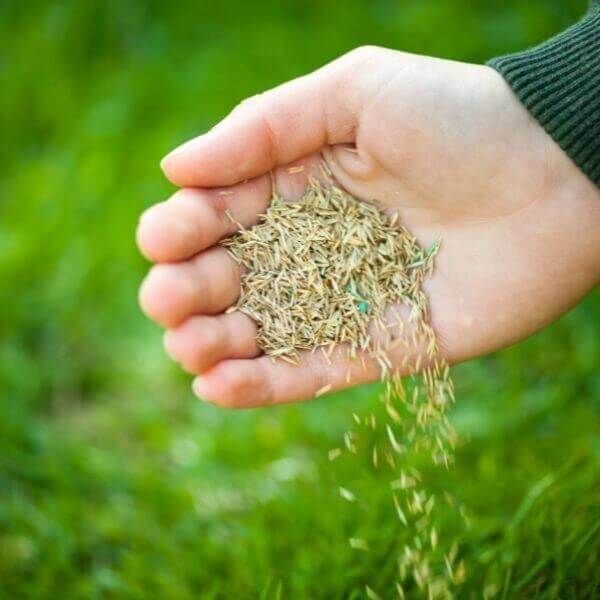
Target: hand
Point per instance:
(445, 144)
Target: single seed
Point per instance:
(323, 390)
(347, 495)
(359, 544)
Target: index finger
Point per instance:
(271, 129)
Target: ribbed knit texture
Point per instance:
(559, 83)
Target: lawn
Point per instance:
(115, 482)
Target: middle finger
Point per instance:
(206, 284)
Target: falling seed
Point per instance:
(323, 390)
(399, 510)
(358, 544)
(347, 494)
(400, 591)
(372, 595)
(334, 453)
(459, 574)
(321, 273)
(433, 538)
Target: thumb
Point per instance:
(273, 128)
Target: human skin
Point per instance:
(444, 144)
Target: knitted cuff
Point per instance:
(559, 83)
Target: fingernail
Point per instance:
(171, 155)
(197, 389)
(182, 148)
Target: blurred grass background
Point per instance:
(114, 481)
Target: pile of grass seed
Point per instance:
(328, 270)
(320, 270)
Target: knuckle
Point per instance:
(259, 105)
(349, 67)
(232, 273)
(241, 387)
(220, 206)
(202, 211)
(247, 103)
(182, 200)
(192, 344)
(205, 349)
(268, 131)
(364, 53)
(245, 388)
(210, 335)
(233, 390)
(240, 332)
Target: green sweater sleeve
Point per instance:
(559, 83)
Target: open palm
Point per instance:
(444, 144)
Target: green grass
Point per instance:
(114, 481)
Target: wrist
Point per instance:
(558, 82)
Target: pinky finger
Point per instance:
(264, 382)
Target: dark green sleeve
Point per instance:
(559, 83)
